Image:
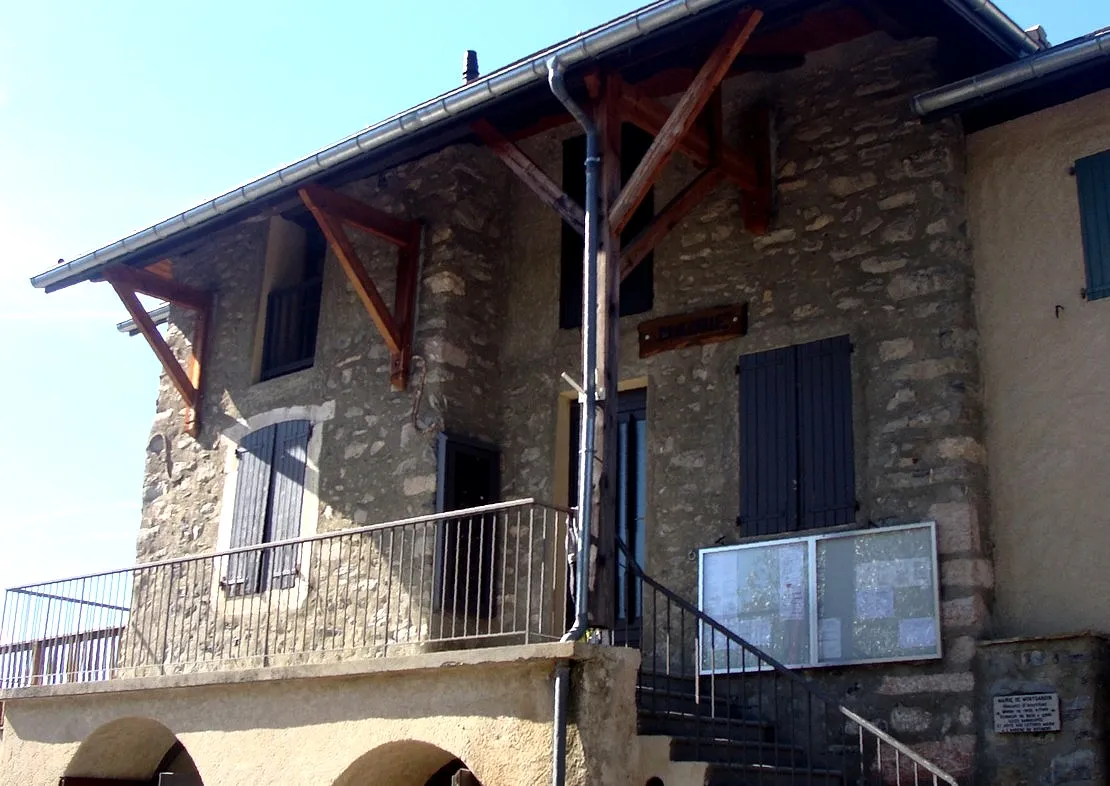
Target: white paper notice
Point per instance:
(913, 572)
(792, 589)
(917, 633)
(756, 631)
(874, 604)
(828, 639)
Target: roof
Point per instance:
(1050, 77)
(667, 31)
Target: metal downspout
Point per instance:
(589, 414)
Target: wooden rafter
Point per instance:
(332, 210)
(758, 204)
(650, 114)
(668, 218)
(128, 282)
(531, 175)
(683, 116)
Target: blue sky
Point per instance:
(116, 115)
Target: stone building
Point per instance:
(825, 461)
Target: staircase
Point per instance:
(738, 748)
(748, 720)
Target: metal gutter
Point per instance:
(958, 95)
(158, 316)
(994, 23)
(524, 73)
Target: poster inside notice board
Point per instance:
(850, 597)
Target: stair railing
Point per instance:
(769, 721)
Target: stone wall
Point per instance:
(869, 241)
(1074, 667)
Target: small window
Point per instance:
(269, 495)
(797, 468)
(1093, 180)
(637, 291)
(293, 300)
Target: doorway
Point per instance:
(631, 479)
(466, 546)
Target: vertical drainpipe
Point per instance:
(589, 411)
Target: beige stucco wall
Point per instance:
(388, 723)
(1047, 377)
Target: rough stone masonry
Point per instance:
(869, 241)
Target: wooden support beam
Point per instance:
(356, 273)
(182, 380)
(155, 285)
(668, 218)
(404, 307)
(650, 115)
(683, 117)
(369, 219)
(602, 590)
(532, 176)
(128, 281)
(757, 127)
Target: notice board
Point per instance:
(862, 596)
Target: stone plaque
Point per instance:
(1027, 713)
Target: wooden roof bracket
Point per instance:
(683, 117)
(128, 282)
(531, 175)
(332, 210)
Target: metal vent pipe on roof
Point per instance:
(958, 95)
(470, 66)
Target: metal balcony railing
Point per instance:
(477, 577)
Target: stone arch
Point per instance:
(133, 749)
(404, 763)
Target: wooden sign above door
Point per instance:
(693, 330)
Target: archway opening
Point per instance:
(133, 752)
(408, 763)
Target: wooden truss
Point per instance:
(156, 281)
(675, 130)
(332, 210)
(694, 128)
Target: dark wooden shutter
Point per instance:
(290, 461)
(768, 437)
(252, 496)
(826, 464)
(1093, 180)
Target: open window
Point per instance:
(269, 496)
(467, 551)
(295, 255)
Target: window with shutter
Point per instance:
(797, 467)
(269, 493)
(637, 291)
(1092, 176)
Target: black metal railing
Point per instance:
(292, 317)
(725, 701)
(480, 577)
